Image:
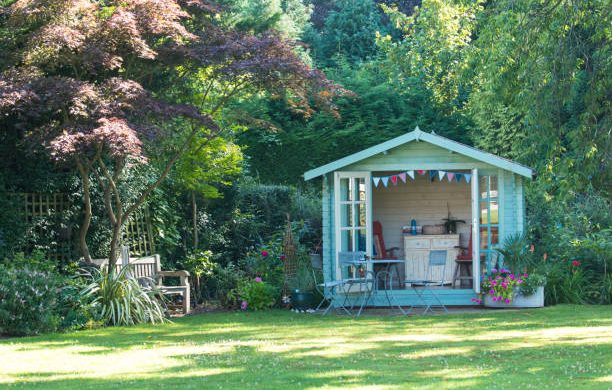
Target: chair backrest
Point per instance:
(437, 258)
(351, 257)
(142, 267)
(379, 241)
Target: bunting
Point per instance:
(433, 174)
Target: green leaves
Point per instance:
(119, 299)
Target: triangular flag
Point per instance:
(432, 175)
(402, 176)
(385, 180)
(450, 176)
(394, 180)
(411, 174)
(421, 172)
(458, 177)
(441, 174)
(468, 177)
(376, 180)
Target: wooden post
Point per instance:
(475, 231)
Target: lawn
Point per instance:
(556, 347)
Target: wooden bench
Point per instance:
(150, 267)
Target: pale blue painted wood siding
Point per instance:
(329, 242)
(417, 155)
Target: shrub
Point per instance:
(119, 299)
(257, 294)
(28, 301)
(267, 262)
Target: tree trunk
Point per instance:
(86, 213)
(114, 244)
(194, 213)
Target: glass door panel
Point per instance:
(488, 220)
(353, 219)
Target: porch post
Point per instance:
(475, 232)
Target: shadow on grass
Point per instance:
(549, 347)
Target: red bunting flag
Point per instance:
(421, 172)
(394, 180)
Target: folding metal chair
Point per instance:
(426, 294)
(328, 290)
(358, 291)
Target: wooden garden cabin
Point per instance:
(421, 176)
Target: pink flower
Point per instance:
(493, 283)
(507, 300)
(492, 292)
(244, 305)
(576, 263)
(258, 279)
(511, 276)
(282, 257)
(264, 253)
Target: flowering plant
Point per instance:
(501, 283)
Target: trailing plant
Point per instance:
(531, 282)
(117, 298)
(501, 285)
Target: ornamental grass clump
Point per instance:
(119, 299)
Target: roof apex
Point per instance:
(418, 135)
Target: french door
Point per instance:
(353, 217)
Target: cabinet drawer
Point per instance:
(444, 243)
(422, 243)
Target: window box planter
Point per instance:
(519, 300)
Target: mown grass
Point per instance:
(556, 347)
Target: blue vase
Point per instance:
(413, 229)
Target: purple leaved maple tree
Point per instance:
(85, 78)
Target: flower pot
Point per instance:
(519, 300)
(302, 300)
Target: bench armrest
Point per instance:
(183, 275)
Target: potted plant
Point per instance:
(450, 222)
(302, 287)
(504, 288)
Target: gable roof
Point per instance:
(434, 139)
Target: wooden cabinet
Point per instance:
(416, 254)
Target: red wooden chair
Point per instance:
(463, 265)
(379, 244)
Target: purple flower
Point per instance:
(511, 276)
(244, 305)
(494, 271)
(494, 283)
(492, 292)
(503, 270)
(258, 279)
(507, 300)
(264, 253)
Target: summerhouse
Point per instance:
(418, 193)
